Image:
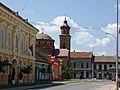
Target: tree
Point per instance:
(1, 66)
(27, 70)
(20, 74)
(13, 74)
(67, 72)
(49, 69)
(4, 63)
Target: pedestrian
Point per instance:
(9, 79)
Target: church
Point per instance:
(46, 54)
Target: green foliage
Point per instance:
(27, 70)
(20, 74)
(67, 72)
(1, 67)
(4, 63)
(13, 74)
(49, 70)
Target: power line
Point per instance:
(25, 5)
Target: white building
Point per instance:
(81, 62)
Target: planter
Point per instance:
(20, 81)
(13, 81)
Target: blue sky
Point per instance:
(89, 21)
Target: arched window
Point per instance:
(26, 46)
(8, 41)
(1, 35)
(16, 42)
(21, 44)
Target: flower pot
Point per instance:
(13, 81)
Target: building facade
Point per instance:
(104, 67)
(41, 65)
(81, 63)
(16, 36)
(44, 48)
(55, 69)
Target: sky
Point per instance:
(89, 20)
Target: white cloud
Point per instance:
(101, 53)
(103, 43)
(83, 38)
(54, 25)
(58, 20)
(88, 40)
(56, 45)
(47, 27)
(110, 28)
(116, 7)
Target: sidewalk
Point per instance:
(32, 86)
(106, 87)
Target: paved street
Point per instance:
(101, 85)
(83, 85)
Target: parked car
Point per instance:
(114, 77)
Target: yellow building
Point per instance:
(16, 36)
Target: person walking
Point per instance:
(9, 79)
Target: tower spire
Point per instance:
(42, 31)
(65, 16)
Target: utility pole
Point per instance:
(117, 52)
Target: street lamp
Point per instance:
(116, 38)
(117, 51)
(111, 35)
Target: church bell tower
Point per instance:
(65, 37)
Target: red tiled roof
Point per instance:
(81, 54)
(60, 53)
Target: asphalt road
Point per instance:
(99, 85)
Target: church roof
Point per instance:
(43, 36)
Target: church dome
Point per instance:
(43, 36)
